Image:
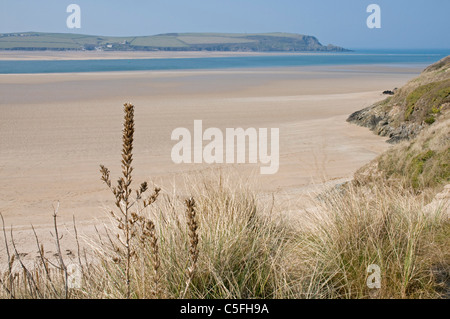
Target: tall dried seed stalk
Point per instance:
(193, 241)
(129, 213)
(149, 231)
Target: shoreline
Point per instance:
(49, 55)
(381, 68)
(19, 55)
(118, 64)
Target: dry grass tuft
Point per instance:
(422, 164)
(375, 224)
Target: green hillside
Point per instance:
(418, 104)
(258, 42)
(417, 119)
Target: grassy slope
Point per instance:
(424, 96)
(171, 41)
(423, 162)
(419, 103)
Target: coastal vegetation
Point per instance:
(417, 105)
(417, 119)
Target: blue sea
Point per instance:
(389, 57)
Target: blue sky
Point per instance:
(405, 24)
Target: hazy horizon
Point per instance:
(342, 24)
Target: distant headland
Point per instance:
(233, 42)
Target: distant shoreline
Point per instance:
(106, 62)
(178, 42)
(355, 68)
(19, 55)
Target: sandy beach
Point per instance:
(57, 128)
(107, 55)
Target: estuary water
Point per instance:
(396, 57)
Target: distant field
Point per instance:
(152, 42)
(259, 42)
(212, 40)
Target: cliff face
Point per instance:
(418, 104)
